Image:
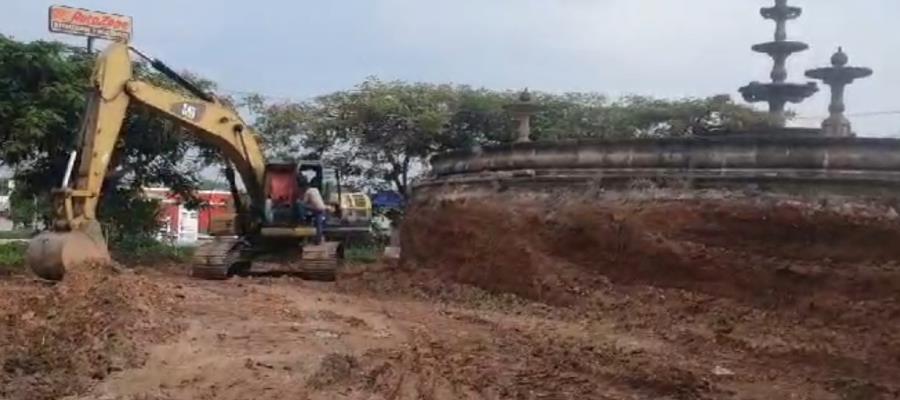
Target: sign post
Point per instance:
(92, 24)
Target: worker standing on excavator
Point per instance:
(311, 203)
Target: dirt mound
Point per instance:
(761, 251)
(486, 245)
(534, 250)
(746, 290)
(789, 229)
(57, 340)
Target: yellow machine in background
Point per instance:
(76, 237)
(354, 222)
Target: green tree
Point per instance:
(42, 86)
(129, 216)
(374, 135)
(381, 133)
(477, 119)
(42, 99)
(590, 115)
(25, 210)
(397, 126)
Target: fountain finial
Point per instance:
(525, 95)
(840, 58)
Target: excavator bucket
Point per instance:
(50, 254)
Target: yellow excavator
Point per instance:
(267, 221)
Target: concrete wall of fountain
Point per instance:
(805, 165)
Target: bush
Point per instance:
(129, 219)
(133, 250)
(362, 253)
(12, 256)
(17, 234)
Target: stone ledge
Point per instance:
(689, 153)
(846, 165)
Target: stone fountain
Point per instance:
(522, 111)
(838, 76)
(778, 92)
(777, 159)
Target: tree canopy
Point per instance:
(42, 99)
(382, 133)
(379, 134)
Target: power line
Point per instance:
(863, 114)
(286, 99)
(873, 113)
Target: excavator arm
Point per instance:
(76, 236)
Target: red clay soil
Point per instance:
(748, 250)
(58, 340)
(791, 291)
(497, 299)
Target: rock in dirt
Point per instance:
(722, 371)
(334, 368)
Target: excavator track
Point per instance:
(224, 256)
(214, 260)
(320, 262)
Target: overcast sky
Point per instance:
(665, 48)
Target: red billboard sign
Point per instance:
(81, 22)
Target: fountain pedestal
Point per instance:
(522, 110)
(838, 76)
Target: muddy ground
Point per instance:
(677, 299)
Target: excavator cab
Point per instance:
(283, 194)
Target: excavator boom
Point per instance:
(76, 236)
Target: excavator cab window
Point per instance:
(324, 179)
(330, 186)
(313, 173)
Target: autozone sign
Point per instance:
(81, 22)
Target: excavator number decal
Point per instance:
(190, 111)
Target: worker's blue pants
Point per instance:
(318, 218)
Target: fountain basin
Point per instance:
(777, 13)
(792, 92)
(780, 48)
(852, 166)
(839, 74)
